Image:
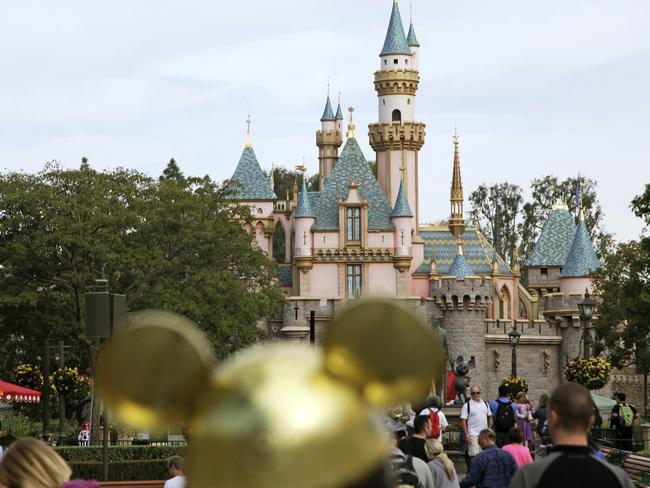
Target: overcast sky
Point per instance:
(555, 87)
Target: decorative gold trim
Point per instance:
(525, 339)
(389, 136)
(396, 82)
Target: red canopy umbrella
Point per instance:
(11, 393)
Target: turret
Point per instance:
(401, 218)
(457, 219)
(328, 140)
(581, 263)
(397, 137)
(339, 115)
(304, 218)
(413, 43)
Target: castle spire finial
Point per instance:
(248, 132)
(457, 220)
(351, 123)
(328, 87)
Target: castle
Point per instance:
(359, 235)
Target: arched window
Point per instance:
(397, 116)
(279, 244)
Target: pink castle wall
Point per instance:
(325, 280)
(575, 285)
(420, 287)
(382, 280)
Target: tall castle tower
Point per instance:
(328, 140)
(397, 137)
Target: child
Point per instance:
(524, 416)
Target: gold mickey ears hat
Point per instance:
(281, 415)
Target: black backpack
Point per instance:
(403, 472)
(504, 417)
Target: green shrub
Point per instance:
(23, 426)
(77, 454)
(643, 453)
(122, 470)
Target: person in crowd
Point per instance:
(622, 419)
(492, 467)
(437, 417)
(475, 416)
(84, 434)
(30, 463)
(406, 469)
(516, 448)
(396, 420)
(415, 444)
(409, 413)
(503, 414)
(540, 416)
(442, 469)
(175, 465)
(525, 418)
(596, 449)
(571, 462)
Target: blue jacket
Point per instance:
(491, 468)
(494, 405)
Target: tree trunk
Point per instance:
(645, 394)
(95, 404)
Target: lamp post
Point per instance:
(586, 311)
(513, 336)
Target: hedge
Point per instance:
(149, 469)
(77, 454)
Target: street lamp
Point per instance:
(513, 336)
(586, 311)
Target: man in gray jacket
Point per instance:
(571, 463)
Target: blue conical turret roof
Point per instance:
(460, 268)
(554, 242)
(411, 39)
(402, 208)
(339, 112)
(395, 42)
(582, 259)
(249, 181)
(304, 206)
(328, 114)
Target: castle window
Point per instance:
(406, 61)
(353, 223)
(397, 116)
(395, 61)
(354, 280)
(384, 102)
(385, 62)
(543, 271)
(259, 210)
(408, 101)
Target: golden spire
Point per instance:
(459, 247)
(457, 220)
(248, 132)
(351, 124)
(581, 214)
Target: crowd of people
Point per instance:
(499, 442)
(498, 436)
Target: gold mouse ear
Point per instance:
(384, 350)
(151, 372)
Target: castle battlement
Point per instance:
(472, 294)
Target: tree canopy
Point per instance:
(624, 288)
(510, 222)
(175, 243)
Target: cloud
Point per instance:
(535, 88)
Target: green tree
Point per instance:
(175, 243)
(497, 208)
(624, 288)
(547, 191)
